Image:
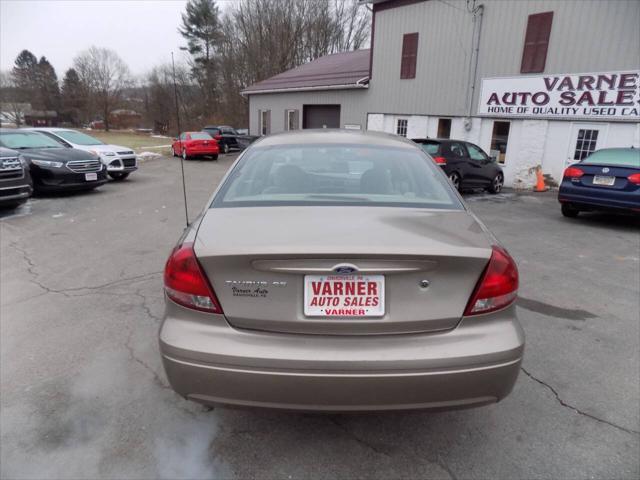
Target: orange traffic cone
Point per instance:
(540, 186)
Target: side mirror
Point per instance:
(494, 158)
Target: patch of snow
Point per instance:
(159, 136)
(58, 215)
(148, 155)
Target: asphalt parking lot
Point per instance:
(84, 394)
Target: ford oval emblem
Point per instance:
(344, 269)
(605, 170)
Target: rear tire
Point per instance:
(184, 154)
(455, 180)
(496, 184)
(569, 210)
(225, 148)
(119, 175)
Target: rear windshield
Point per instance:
(200, 136)
(78, 138)
(624, 157)
(22, 140)
(341, 175)
(430, 147)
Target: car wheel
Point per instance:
(184, 154)
(225, 148)
(215, 157)
(497, 184)
(455, 180)
(119, 175)
(569, 210)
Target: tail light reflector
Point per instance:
(573, 172)
(634, 178)
(440, 160)
(185, 282)
(498, 285)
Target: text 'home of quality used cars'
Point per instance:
(340, 271)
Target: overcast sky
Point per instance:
(143, 32)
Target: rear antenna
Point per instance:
(175, 92)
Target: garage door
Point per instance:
(321, 116)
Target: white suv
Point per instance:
(120, 161)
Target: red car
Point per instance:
(195, 144)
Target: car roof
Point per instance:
(48, 129)
(334, 136)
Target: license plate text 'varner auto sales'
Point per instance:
(344, 295)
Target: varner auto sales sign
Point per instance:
(606, 96)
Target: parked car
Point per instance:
(466, 164)
(226, 136)
(608, 180)
(15, 181)
(119, 161)
(52, 166)
(195, 144)
(339, 271)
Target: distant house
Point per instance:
(41, 118)
(124, 119)
(12, 113)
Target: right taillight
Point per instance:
(440, 160)
(186, 284)
(498, 285)
(573, 172)
(634, 178)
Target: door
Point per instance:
(321, 116)
(585, 139)
(480, 166)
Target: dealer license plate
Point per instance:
(90, 176)
(600, 180)
(344, 295)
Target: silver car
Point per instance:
(340, 271)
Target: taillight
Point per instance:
(185, 282)
(573, 172)
(440, 160)
(498, 285)
(634, 178)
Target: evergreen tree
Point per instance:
(74, 100)
(203, 32)
(48, 97)
(25, 75)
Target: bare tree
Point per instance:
(11, 101)
(105, 76)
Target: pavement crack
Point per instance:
(156, 378)
(145, 306)
(31, 269)
(364, 443)
(575, 409)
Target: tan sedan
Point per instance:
(340, 271)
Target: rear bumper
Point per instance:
(600, 199)
(203, 151)
(210, 362)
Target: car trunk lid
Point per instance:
(257, 258)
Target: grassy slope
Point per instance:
(137, 142)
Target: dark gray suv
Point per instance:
(15, 181)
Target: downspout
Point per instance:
(478, 13)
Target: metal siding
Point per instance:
(586, 36)
(352, 106)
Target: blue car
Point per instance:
(608, 180)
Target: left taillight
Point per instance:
(498, 285)
(440, 160)
(186, 284)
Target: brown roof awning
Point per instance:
(337, 71)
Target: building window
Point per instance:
(444, 128)
(401, 127)
(536, 43)
(585, 144)
(265, 122)
(291, 121)
(409, 55)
